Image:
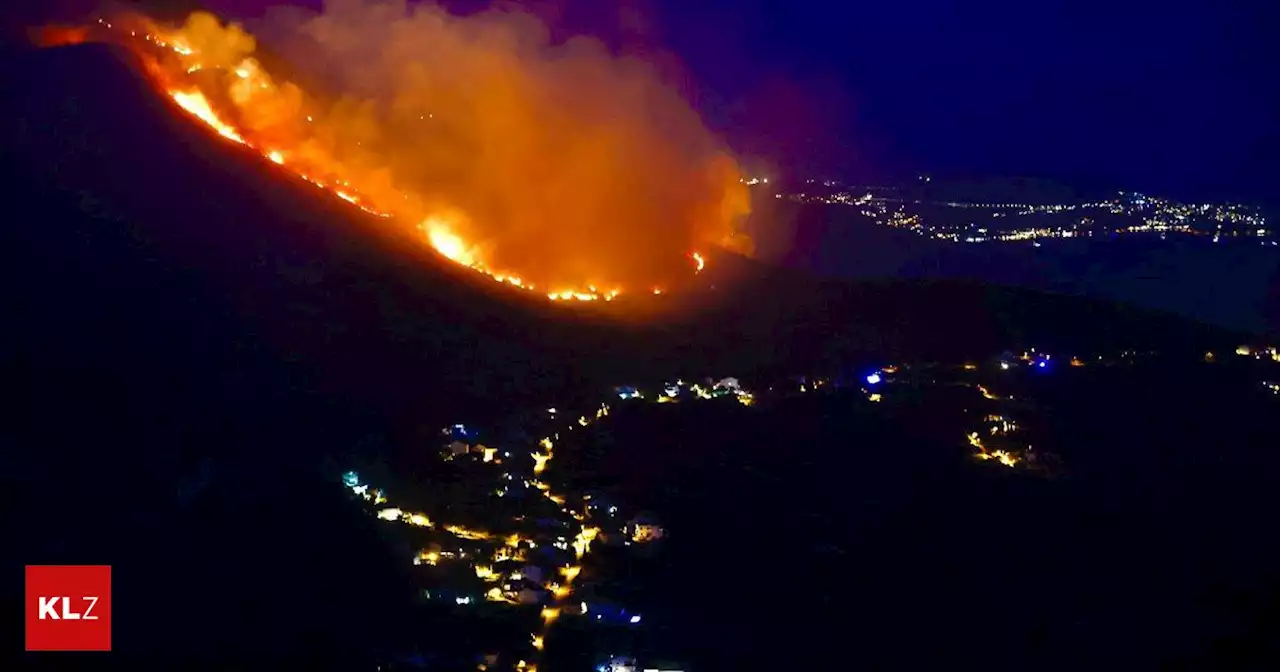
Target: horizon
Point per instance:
(1085, 187)
(1000, 90)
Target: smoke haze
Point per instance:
(563, 163)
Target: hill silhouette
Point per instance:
(824, 529)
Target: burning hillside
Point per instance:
(556, 168)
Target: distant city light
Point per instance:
(873, 379)
(959, 221)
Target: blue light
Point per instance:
(1043, 364)
(873, 379)
(635, 619)
(350, 479)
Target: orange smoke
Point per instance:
(557, 168)
(59, 36)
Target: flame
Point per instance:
(699, 260)
(195, 103)
(449, 243)
(256, 111)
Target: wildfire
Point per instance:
(449, 243)
(195, 103)
(187, 59)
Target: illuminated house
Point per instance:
(619, 664)
(730, 384)
(644, 533)
(644, 529)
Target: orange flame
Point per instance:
(265, 105)
(195, 103)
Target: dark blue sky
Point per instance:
(1178, 96)
(1174, 97)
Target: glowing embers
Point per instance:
(442, 237)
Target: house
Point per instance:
(644, 528)
(730, 384)
(644, 533)
(619, 664)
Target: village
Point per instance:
(516, 539)
(533, 556)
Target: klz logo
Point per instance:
(68, 607)
(48, 609)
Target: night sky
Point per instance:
(1174, 98)
(1162, 96)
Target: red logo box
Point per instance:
(68, 607)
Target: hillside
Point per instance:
(375, 311)
(153, 271)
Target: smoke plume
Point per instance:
(560, 162)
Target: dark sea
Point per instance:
(1235, 284)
